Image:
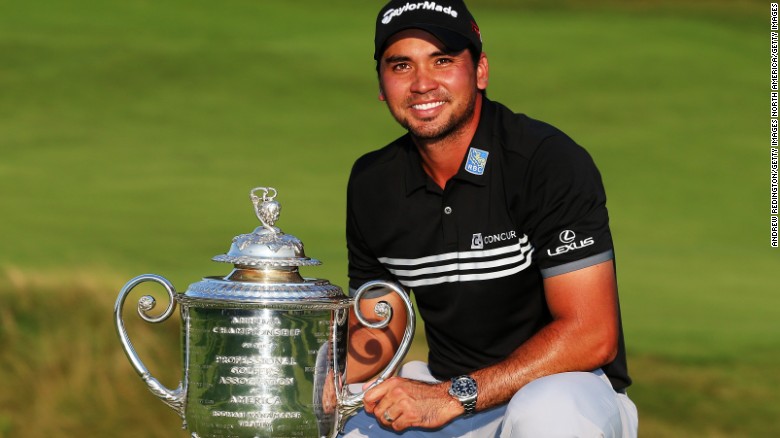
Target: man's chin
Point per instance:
(432, 132)
(429, 135)
(426, 129)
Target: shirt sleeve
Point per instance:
(569, 224)
(363, 265)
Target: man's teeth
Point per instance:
(427, 106)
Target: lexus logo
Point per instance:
(566, 236)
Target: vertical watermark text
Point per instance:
(773, 61)
(773, 210)
(773, 189)
(774, 125)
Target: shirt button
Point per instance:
(447, 210)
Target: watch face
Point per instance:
(463, 387)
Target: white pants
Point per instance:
(579, 404)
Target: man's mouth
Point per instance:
(428, 105)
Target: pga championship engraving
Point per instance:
(264, 349)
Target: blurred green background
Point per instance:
(131, 133)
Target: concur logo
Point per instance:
(478, 241)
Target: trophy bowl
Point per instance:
(264, 350)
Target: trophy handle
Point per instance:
(350, 403)
(173, 398)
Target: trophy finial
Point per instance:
(266, 208)
(266, 246)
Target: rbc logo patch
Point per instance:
(476, 161)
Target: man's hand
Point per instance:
(399, 403)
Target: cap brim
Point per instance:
(452, 41)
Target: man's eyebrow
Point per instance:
(400, 58)
(396, 58)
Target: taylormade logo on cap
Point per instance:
(431, 6)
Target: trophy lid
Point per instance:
(266, 269)
(267, 246)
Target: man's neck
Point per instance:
(441, 158)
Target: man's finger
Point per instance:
(374, 396)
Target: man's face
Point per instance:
(429, 92)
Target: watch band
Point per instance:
(470, 406)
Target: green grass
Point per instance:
(131, 133)
(63, 373)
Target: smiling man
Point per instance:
(498, 224)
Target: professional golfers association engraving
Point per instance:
(264, 349)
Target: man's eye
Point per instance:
(400, 66)
(443, 61)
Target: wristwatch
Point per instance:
(464, 388)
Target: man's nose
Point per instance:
(424, 81)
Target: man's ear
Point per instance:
(381, 94)
(483, 72)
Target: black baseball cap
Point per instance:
(448, 20)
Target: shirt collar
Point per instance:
(482, 141)
(416, 177)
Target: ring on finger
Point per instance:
(387, 417)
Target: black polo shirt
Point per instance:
(527, 203)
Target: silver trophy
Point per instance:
(264, 348)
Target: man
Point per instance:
(497, 223)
